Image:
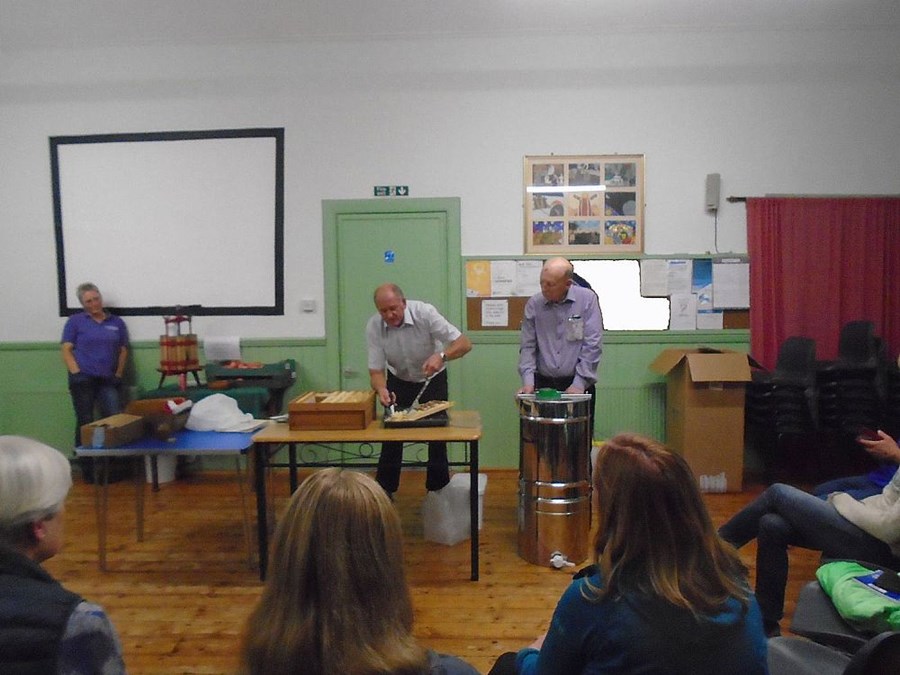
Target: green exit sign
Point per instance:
(392, 190)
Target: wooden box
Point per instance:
(332, 410)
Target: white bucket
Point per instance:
(165, 468)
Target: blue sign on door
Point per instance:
(389, 257)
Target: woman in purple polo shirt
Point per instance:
(94, 349)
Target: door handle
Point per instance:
(351, 372)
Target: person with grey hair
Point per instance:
(95, 351)
(44, 628)
(561, 341)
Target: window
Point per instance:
(618, 285)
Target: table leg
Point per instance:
(154, 472)
(139, 494)
(101, 502)
(473, 506)
(260, 453)
(292, 466)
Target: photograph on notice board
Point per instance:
(584, 204)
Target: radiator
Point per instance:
(639, 409)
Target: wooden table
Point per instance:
(464, 427)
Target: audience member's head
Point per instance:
(655, 535)
(336, 598)
(34, 482)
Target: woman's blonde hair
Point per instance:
(34, 482)
(336, 599)
(655, 536)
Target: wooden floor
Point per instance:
(180, 598)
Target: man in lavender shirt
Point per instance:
(562, 335)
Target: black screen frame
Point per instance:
(276, 133)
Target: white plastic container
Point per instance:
(165, 468)
(445, 512)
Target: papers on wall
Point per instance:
(502, 278)
(660, 277)
(654, 278)
(680, 276)
(222, 348)
(710, 320)
(683, 311)
(495, 313)
(528, 277)
(731, 284)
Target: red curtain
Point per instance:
(816, 263)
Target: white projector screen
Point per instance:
(190, 219)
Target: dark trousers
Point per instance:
(504, 665)
(563, 383)
(87, 392)
(391, 459)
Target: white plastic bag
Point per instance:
(219, 412)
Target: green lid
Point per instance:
(548, 395)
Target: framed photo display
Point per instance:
(581, 204)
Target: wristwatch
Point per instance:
(444, 357)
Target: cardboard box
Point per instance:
(705, 412)
(332, 410)
(118, 430)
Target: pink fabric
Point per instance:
(817, 263)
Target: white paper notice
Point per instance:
(503, 278)
(495, 313)
(680, 276)
(654, 278)
(710, 320)
(731, 285)
(683, 311)
(528, 277)
(222, 348)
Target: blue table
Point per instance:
(185, 442)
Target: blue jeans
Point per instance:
(784, 516)
(858, 487)
(87, 392)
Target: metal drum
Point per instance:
(554, 478)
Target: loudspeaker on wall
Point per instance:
(712, 191)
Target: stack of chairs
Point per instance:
(851, 388)
(783, 401)
(781, 411)
(892, 400)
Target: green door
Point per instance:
(412, 243)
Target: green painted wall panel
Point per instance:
(630, 397)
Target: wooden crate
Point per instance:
(332, 410)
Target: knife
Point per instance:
(419, 395)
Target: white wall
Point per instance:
(784, 111)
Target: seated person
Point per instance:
(665, 595)
(839, 527)
(872, 483)
(336, 598)
(44, 628)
